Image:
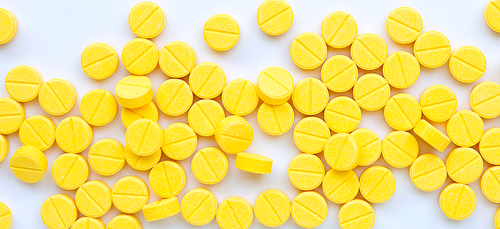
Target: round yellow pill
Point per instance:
(356, 214)
(38, 131)
(4, 147)
(124, 221)
(70, 171)
(497, 219)
(149, 111)
(235, 135)
(308, 50)
(130, 194)
(179, 141)
(93, 199)
(140, 56)
(198, 206)
(490, 185)
(209, 165)
(340, 186)
(438, 103)
(134, 91)
(275, 85)
(58, 211)
(377, 184)
(73, 134)
(234, 212)
(141, 163)
(485, 99)
(221, 32)
(492, 17)
(310, 96)
(339, 73)
(177, 59)
(432, 49)
(174, 97)
(12, 115)
(369, 51)
(401, 69)
(311, 134)
(275, 120)
(23, 83)
(9, 26)
(161, 209)
(144, 137)
(106, 157)
(272, 208)
(404, 25)
(457, 201)
(342, 114)
(400, 149)
(369, 146)
(207, 80)
(254, 163)
(98, 107)
(6, 219)
(465, 128)
(28, 164)
(306, 171)
(467, 64)
(464, 165)
(339, 29)
(428, 172)
(88, 223)
(239, 97)
(146, 20)
(167, 179)
(402, 112)
(204, 116)
(274, 17)
(489, 146)
(99, 61)
(309, 209)
(57, 96)
(341, 152)
(371, 92)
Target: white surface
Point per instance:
(53, 34)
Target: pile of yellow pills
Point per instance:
(221, 32)
(23, 82)
(106, 157)
(134, 91)
(99, 61)
(339, 29)
(431, 135)
(98, 107)
(204, 117)
(70, 171)
(179, 141)
(311, 134)
(140, 56)
(402, 112)
(369, 51)
(161, 209)
(310, 96)
(124, 221)
(340, 186)
(432, 49)
(490, 185)
(400, 149)
(342, 114)
(308, 50)
(57, 96)
(177, 59)
(239, 97)
(234, 212)
(6, 216)
(489, 145)
(144, 137)
(275, 85)
(369, 146)
(130, 194)
(207, 80)
(12, 115)
(309, 209)
(356, 214)
(209, 165)
(28, 164)
(485, 99)
(9, 26)
(87, 222)
(254, 163)
(464, 165)
(272, 208)
(149, 111)
(377, 184)
(404, 25)
(167, 179)
(174, 97)
(371, 92)
(275, 120)
(141, 163)
(146, 20)
(438, 103)
(341, 152)
(306, 171)
(234, 135)
(428, 172)
(492, 18)
(73, 134)
(339, 73)
(465, 128)
(467, 64)
(38, 131)
(4, 147)
(199, 206)
(401, 69)
(457, 201)
(93, 199)
(274, 17)
(59, 211)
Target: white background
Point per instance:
(53, 34)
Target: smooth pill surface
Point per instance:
(431, 135)
(306, 171)
(339, 73)
(58, 211)
(371, 92)
(23, 82)
(342, 114)
(12, 115)
(274, 17)
(140, 56)
(167, 179)
(239, 97)
(369, 146)
(6, 219)
(234, 135)
(309, 209)
(489, 146)
(93, 199)
(141, 163)
(4, 147)
(272, 208)
(369, 51)
(124, 221)
(179, 141)
(73, 134)
(490, 185)
(134, 91)
(485, 99)
(204, 116)
(149, 111)
(275, 85)
(209, 165)
(234, 212)
(341, 152)
(467, 64)
(57, 96)
(161, 209)
(99, 61)
(207, 80)
(432, 49)
(377, 184)
(465, 128)
(9, 26)
(254, 163)
(144, 137)
(492, 18)
(438, 103)
(339, 29)
(174, 97)
(310, 96)
(275, 120)
(400, 149)
(457, 201)
(177, 59)
(28, 164)
(98, 107)
(198, 206)
(428, 172)
(130, 194)
(356, 214)
(70, 171)
(404, 25)
(106, 157)
(221, 32)
(146, 20)
(464, 165)
(38, 131)
(308, 50)
(88, 223)
(401, 69)
(311, 134)
(340, 187)
(402, 112)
